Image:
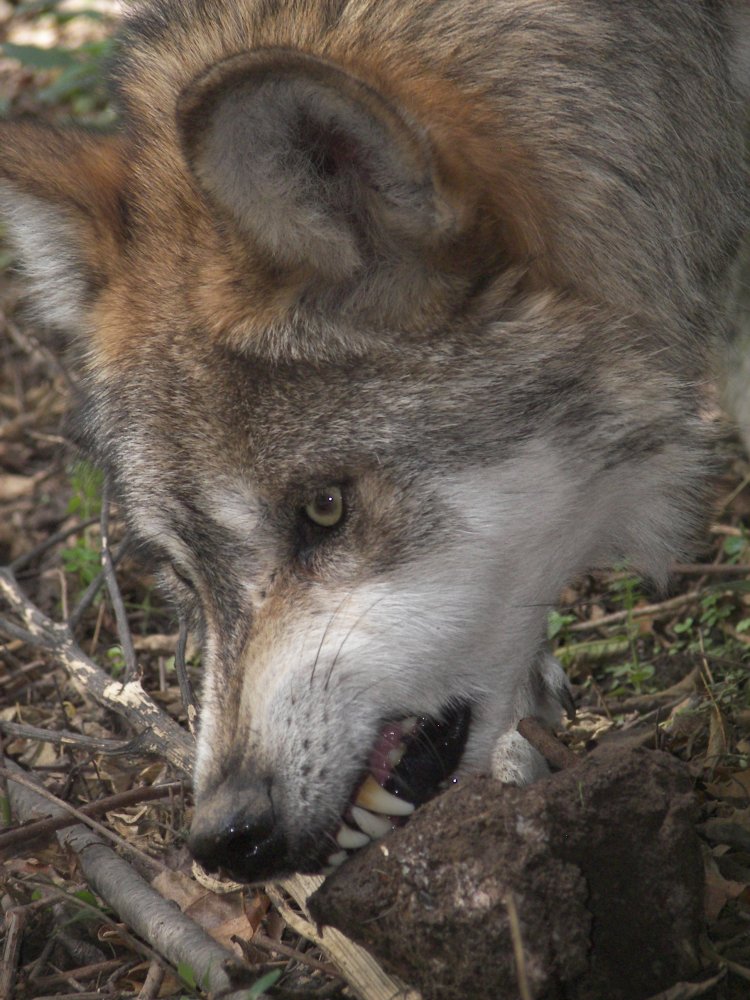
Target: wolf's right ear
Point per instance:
(315, 166)
(60, 199)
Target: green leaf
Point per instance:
(259, 988)
(86, 896)
(186, 974)
(39, 58)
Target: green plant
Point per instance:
(633, 674)
(76, 75)
(81, 558)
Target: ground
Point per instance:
(666, 671)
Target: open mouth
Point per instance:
(411, 762)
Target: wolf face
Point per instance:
(394, 318)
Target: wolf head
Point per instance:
(393, 319)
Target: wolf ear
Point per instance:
(311, 163)
(60, 199)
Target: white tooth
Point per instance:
(375, 798)
(394, 756)
(338, 858)
(374, 826)
(408, 725)
(351, 839)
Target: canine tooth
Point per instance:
(374, 826)
(351, 839)
(371, 796)
(337, 859)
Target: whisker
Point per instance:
(325, 633)
(346, 637)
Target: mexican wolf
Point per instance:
(394, 317)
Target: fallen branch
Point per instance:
(162, 736)
(172, 934)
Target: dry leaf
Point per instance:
(178, 887)
(720, 891)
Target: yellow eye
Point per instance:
(326, 508)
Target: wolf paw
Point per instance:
(516, 762)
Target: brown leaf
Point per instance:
(719, 892)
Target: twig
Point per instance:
(710, 569)
(268, 944)
(95, 586)
(121, 617)
(15, 776)
(44, 827)
(152, 982)
(548, 745)
(186, 689)
(61, 737)
(645, 611)
(82, 974)
(159, 733)
(49, 542)
(15, 921)
(516, 938)
(173, 934)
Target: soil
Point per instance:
(593, 876)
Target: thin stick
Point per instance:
(516, 938)
(83, 818)
(87, 598)
(268, 944)
(59, 536)
(647, 610)
(44, 827)
(81, 974)
(15, 921)
(152, 982)
(158, 732)
(62, 737)
(553, 751)
(710, 569)
(121, 617)
(186, 688)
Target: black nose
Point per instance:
(234, 829)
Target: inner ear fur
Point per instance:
(61, 196)
(314, 166)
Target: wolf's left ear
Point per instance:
(315, 166)
(60, 199)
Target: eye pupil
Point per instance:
(324, 503)
(326, 507)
